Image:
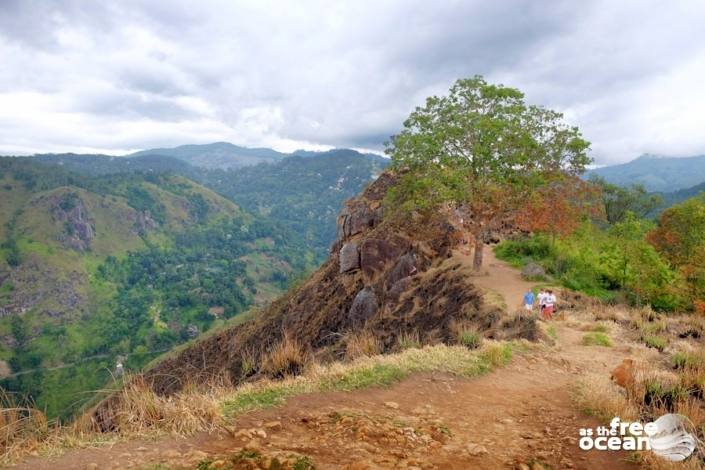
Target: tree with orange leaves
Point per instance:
(558, 208)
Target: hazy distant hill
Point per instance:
(656, 173)
(95, 165)
(681, 195)
(217, 155)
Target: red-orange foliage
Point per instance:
(559, 207)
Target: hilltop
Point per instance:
(216, 155)
(386, 279)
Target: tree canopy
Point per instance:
(481, 148)
(680, 238)
(619, 201)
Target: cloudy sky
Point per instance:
(113, 77)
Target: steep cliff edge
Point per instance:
(389, 277)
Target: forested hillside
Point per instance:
(303, 192)
(121, 267)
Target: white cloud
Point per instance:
(314, 74)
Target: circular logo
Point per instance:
(671, 439)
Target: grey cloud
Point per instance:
(343, 73)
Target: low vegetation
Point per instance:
(361, 344)
(627, 258)
(596, 338)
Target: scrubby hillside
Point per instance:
(388, 281)
(120, 268)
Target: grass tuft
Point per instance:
(409, 341)
(596, 339)
(287, 358)
(656, 342)
(361, 344)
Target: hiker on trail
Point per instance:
(529, 300)
(542, 301)
(550, 304)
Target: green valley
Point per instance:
(96, 269)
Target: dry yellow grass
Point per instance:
(21, 425)
(287, 358)
(361, 344)
(596, 395)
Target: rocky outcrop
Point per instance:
(404, 267)
(376, 255)
(78, 227)
(359, 215)
(144, 223)
(349, 257)
(363, 307)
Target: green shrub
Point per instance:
(470, 338)
(596, 339)
(656, 342)
(608, 263)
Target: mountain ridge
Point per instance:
(655, 173)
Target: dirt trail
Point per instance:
(520, 414)
(500, 277)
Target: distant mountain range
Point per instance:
(224, 155)
(656, 173)
(216, 155)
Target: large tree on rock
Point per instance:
(482, 151)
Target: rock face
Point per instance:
(79, 228)
(375, 255)
(349, 257)
(144, 223)
(363, 307)
(532, 271)
(405, 266)
(397, 289)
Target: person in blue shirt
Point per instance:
(529, 301)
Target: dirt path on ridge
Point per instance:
(518, 415)
(500, 277)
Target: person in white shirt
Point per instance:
(550, 305)
(542, 301)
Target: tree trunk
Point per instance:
(479, 246)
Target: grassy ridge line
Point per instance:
(145, 414)
(383, 370)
